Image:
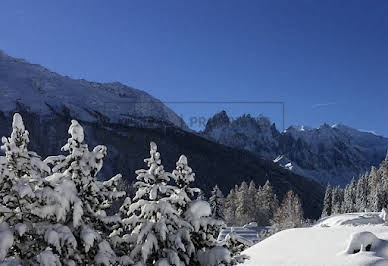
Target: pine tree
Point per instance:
(251, 197)
(206, 230)
(197, 213)
(383, 170)
(362, 193)
(290, 212)
(242, 205)
(376, 197)
(153, 221)
(217, 203)
(350, 193)
(184, 177)
(21, 174)
(75, 204)
(383, 173)
(327, 207)
(56, 219)
(267, 204)
(184, 196)
(337, 200)
(230, 206)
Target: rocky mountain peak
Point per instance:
(219, 120)
(329, 154)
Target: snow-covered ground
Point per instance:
(331, 241)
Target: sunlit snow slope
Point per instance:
(43, 91)
(331, 242)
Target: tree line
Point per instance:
(248, 203)
(368, 193)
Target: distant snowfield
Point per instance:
(328, 243)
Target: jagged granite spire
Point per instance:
(219, 120)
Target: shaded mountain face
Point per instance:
(328, 154)
(48, 101)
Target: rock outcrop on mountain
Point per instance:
(328, 154)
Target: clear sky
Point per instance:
(327, 60)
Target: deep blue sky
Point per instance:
(328, 60)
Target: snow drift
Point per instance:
(346, 239)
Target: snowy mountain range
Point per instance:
(126, 120)
(329, 154)
(44, 92)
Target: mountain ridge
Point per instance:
(48, 102)
(329, 154)
(44, 91)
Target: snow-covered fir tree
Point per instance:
(56, 219)
(163, 225)
(327, 202)
(377, 192)
(383, 173)
(206, 230)
(21, 174)
(267, 204)
(243, 205)
(350, 193)
(337, 200)
(197, 213)
(217, 203)
(75, 204)
(383, 170)
(362, 193)
(251, 196)
(290, 212)
(159, 235)
(184, 177)
(230, 206)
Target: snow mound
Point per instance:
(362, 241)
(354, 219)
(347, 239)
